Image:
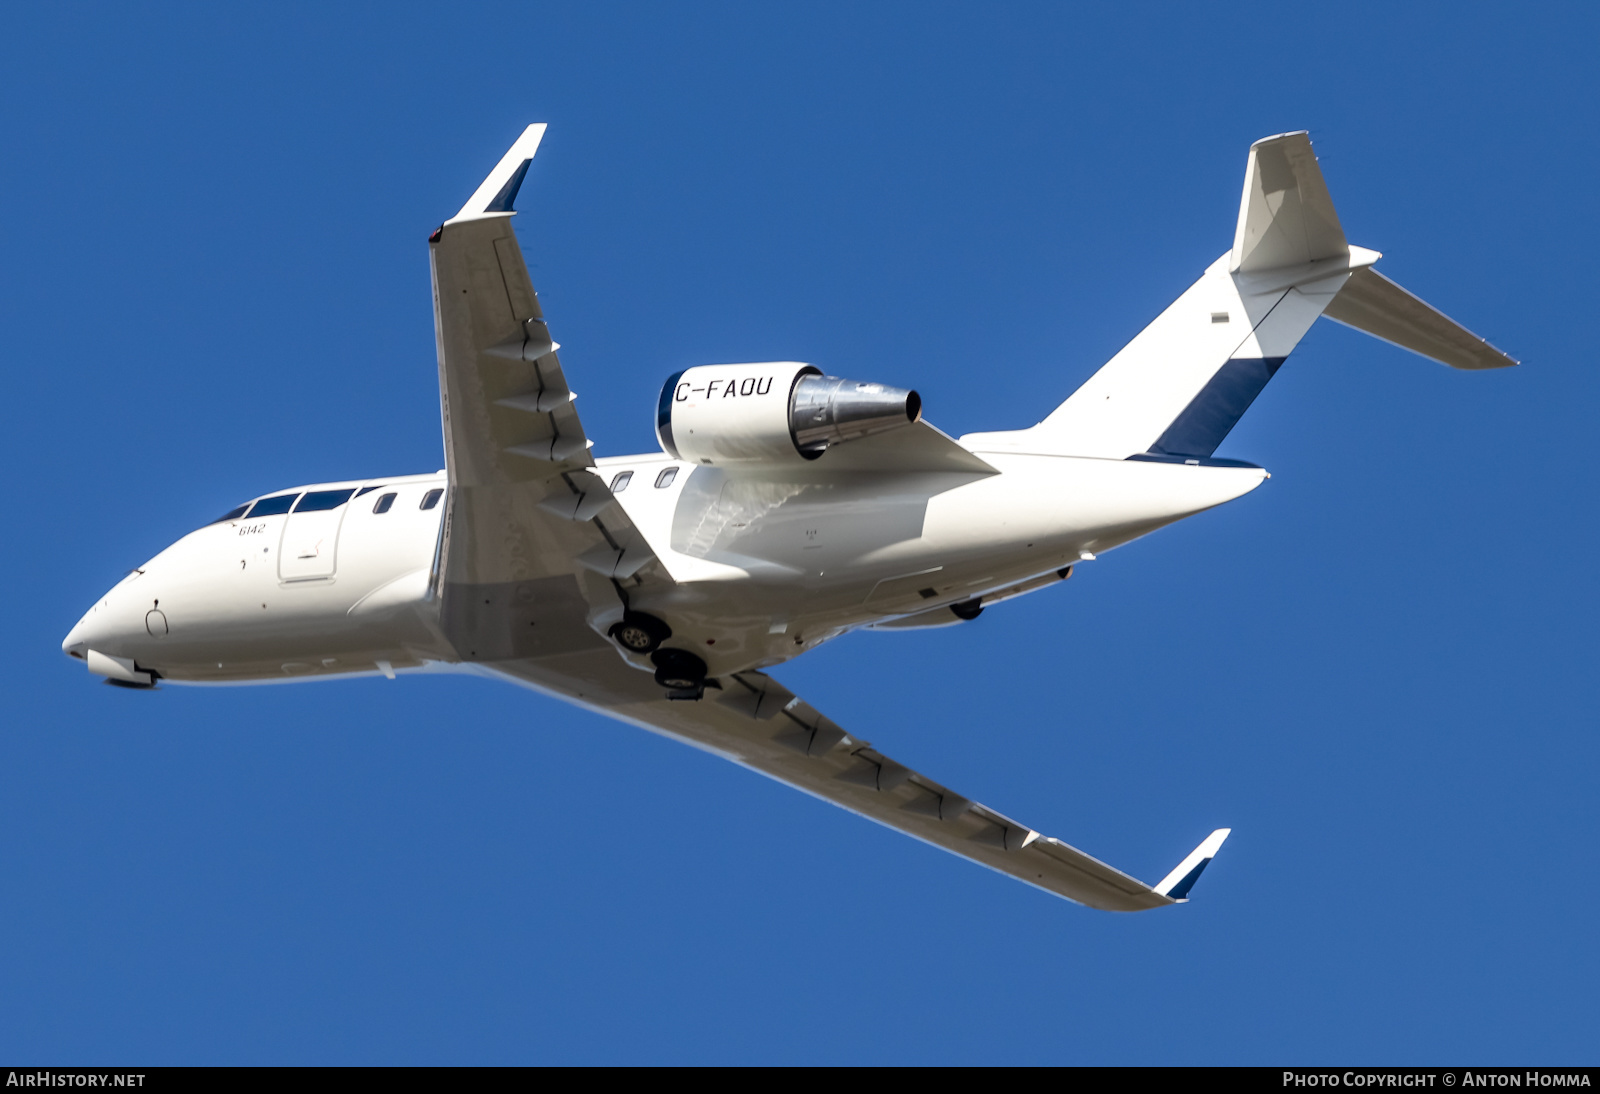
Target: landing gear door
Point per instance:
(311, 536)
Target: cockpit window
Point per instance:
(318, 500)
(383, 504)
(431, 498)
(232, 514)
(664, 479)
(368, 490)
(271, 507)
(620, 483)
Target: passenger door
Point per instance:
(311, 536)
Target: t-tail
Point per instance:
(1176, 390)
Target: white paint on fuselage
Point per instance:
(235, 612)
(815, 554)
(766, 564)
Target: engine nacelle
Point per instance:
(773, 412)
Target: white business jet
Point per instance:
(786, 507)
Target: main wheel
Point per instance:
(640, 633)
(678, 669)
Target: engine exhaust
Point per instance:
(828, 410)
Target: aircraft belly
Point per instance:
(587, 677)
(509, 620)
(820, 555)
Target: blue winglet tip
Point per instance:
(507, 197)
(1180, 891)
(1176, 885)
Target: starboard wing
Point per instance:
(758, 723)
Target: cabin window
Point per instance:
(273, 506)
(232, 514)
(319, 500)
(384, 504)
(664, 479)
(618, 484)
(431, 498)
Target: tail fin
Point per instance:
(1181, 386)
(1286, 217)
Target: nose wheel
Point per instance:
(640, 633)
(680, 672)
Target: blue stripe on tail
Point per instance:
(1213, 413)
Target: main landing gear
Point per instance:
(640, 633)
(680, 672)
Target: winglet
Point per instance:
(1177, 884)
(499, 191)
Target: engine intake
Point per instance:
(774, 412)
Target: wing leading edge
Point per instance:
(758, 723)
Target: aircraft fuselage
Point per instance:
(767, 564)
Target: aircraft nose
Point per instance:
(99, 629)
(99, 646)
(81, 638)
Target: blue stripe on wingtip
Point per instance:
(1211, 415)
(507, 196)
(1181, 890)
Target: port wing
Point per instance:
(532, 534)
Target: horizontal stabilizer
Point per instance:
(1178, 883)
(1372, 303)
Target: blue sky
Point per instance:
(1378, 668)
